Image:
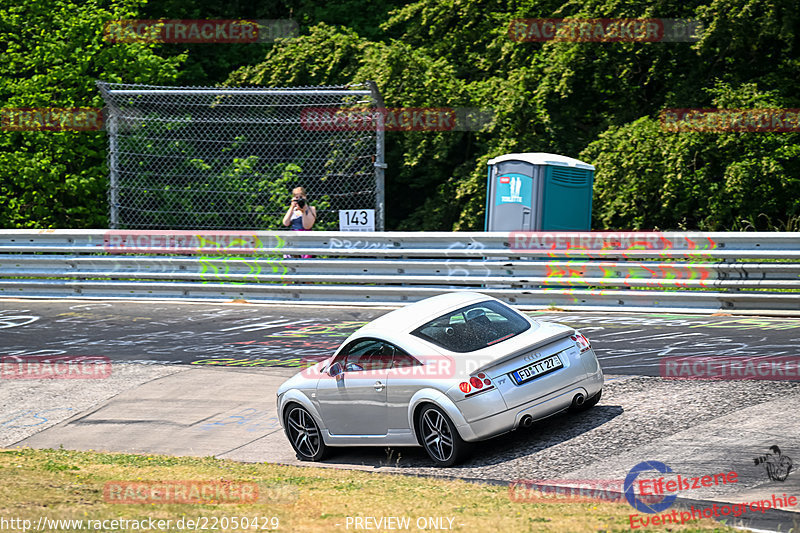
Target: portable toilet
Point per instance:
(538, 191)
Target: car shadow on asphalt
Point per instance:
(543, 434)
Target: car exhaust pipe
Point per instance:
(526, 422)
(578, 400)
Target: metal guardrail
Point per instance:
(734, 272)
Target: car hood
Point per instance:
(306, 378)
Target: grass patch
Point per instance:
(69, 485)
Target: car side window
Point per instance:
(399, 357)
(366, 354)
(403, 360)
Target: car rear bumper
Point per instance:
(539, 408)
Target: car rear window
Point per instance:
(473, 327)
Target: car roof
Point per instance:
(412, 316)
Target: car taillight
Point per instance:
(476, 384)
(581, 341)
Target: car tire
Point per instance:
(439, 437)
(588, 404)
(304, 434)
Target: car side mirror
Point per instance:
(335, 371)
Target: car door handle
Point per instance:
(379, 386)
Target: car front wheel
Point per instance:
(440, 438)
(304, 434)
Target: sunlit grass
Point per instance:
(62, 484)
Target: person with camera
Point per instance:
(300, 216)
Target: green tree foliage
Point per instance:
(342, 50)
(598, 101)
(207, 64)
(408, 77)
(54, 51)
(594, 100)
(648, 177)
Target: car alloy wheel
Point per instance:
(439, 437)
(304, 434)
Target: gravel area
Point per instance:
(696, 427)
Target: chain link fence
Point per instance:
(228, 158)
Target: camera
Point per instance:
(301, 202)
(761, 459)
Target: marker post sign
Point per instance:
(356, 220)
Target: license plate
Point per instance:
(536, 369)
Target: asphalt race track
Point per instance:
(200, 379)
(261, 335)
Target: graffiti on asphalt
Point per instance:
(330, 329)
(247, 336)
(260, 324)
(9, 318)
(683, 321)
(295, 362)
(251, 420)
(31, 417)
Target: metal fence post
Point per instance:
(380, 159)
(113, 174)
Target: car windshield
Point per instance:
(473, 327)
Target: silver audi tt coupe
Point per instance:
(440, 373)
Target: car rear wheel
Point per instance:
(440, 438)
(304, 434)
